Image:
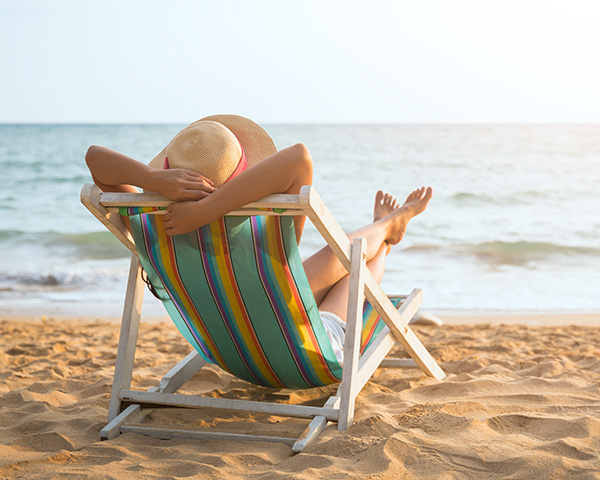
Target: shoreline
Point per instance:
(529, 318)
(450, 317)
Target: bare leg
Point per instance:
(324, 270)
(336, 300)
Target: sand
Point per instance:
(519, 402)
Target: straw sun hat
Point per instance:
(219, 147)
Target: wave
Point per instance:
(52, 179)
(91, 245)
(523, 251)
(54, 279)
(11, 281)
(524, 197)
(511, 253)
(468, 197)
(73, 248)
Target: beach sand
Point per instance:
(521, 401)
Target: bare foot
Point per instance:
(399, 217)
(384, 205)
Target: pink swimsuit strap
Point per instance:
(242, 165)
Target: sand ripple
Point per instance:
(519, 402)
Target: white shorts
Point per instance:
(335, 328)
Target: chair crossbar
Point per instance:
(289, 212)
(168, 434)
(175, 378)
(132, 414)
(316, 426)
(398, 363)
(197, 401)
(110, 199)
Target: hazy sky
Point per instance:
(300, 61)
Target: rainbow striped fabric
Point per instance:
(129, 211)
(238, 293)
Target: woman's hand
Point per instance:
(183, 217)
(180, 184)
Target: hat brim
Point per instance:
(255, 141)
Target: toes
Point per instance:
(379, 197)
(419, 194)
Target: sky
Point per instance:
(284, 61)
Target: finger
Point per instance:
(194, 191)
(208, 185)
(206, 188)
(169, 218)
(207, 180)
(195, 183)
(199, 176)
(196, 194)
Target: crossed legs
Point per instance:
(286, 172)
(329, 279)
(283, 172)
(336, 299)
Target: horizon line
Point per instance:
(437, 123)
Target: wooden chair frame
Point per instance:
(357, 368)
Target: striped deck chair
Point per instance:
(236, 290)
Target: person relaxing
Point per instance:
(222, 162)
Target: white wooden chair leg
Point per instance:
(170, 383)
(353, 334)
(315, 427)
(132, 414)
(128, 337)
(181, 373)
(356, 371)
(397, 321)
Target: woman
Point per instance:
(223, 162)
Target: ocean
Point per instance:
(514, 224)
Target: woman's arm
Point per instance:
(114, 172)
(283, 172)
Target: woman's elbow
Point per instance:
(302, 155)
(92, 154)
(301, 166)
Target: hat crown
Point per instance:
(206, 147)
(214, 145)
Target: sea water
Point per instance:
(514, 223)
